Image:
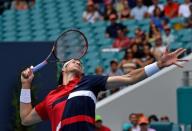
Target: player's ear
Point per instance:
(64, 69)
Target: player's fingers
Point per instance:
(182, 60)
(180, 51)
(180, 66)
(167, 49)
(26, 73)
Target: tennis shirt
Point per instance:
(71, 107)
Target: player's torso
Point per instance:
(72, 106)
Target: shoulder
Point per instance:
(95, 77)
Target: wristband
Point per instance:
(151, 69)
(25, 96)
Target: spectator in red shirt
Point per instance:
(122, 41)
(171, 9)
(99, 125)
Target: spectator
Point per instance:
(122, 41)
(99, 4)
(140, 11)
(155, 4)
(148, 57)
(157, 18)
(21, 5)
(144, 124)
(154, 33)
(99, 124)
(109, 10)
(171, 9)
(99, 70)
(137, 51)
(165, 21)
(114, 70)
(126, 127)
(129, 63)
(133, 118)
(184, 10)
(189, 19)
(159, 48)
(164, 119)
(120, 5)
(91, 14)
(125, 13)
(111, 30)
(140, 37)
(168, 37)
(153, 118)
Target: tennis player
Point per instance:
(71, 105)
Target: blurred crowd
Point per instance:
(15, 4)
(140, 122)
(136, 9)
(144, 47)
(136, 122)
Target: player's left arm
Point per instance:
(137, 75)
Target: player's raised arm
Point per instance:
(27, 113)
(134, 76)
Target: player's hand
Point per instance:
(27, 77)
(170, 58)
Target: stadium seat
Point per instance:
(162, 126)
(176, 127)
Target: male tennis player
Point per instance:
(71, 105)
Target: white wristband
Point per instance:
(151, 69)
(25, 96)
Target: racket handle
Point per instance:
(39, 66)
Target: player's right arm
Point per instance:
(28, 114)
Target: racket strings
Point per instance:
(71, 45)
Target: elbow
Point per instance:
(24, 122)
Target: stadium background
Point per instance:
(26, 37)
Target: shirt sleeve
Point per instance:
(98, 82)
(41, 110)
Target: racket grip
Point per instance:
(39, 66)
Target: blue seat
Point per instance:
(162, 126)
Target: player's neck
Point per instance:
(69, 77)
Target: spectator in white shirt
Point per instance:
(184, 9)
(91, 14)
(133, 118)
(168, 37)
(159, 48)
(140, 11)
(155, 4)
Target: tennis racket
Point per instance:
(71, 44)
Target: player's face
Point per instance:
(74, 66)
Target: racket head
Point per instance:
(71, 44)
